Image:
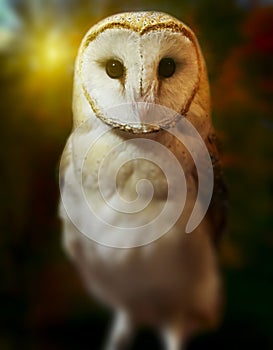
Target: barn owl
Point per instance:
(141, 95)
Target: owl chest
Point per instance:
(128, 174)
(130, 187)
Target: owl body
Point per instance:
(171, 282)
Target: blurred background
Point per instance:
(42, 302)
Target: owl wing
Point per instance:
(217, 211)
(64, 163)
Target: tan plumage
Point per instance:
(173, 282)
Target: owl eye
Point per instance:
(166, 67)
(114, 69)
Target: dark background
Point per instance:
(42, 302)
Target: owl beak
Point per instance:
(148, 90)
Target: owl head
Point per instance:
(139, 60)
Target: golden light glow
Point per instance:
(49, 52)
(47, 61)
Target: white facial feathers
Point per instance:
(138, 42)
